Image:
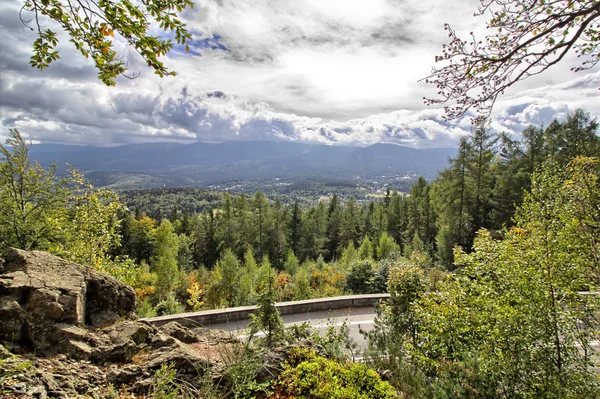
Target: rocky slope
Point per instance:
(69, 331)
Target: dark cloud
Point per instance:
(234, 85)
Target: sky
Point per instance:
(323, 71)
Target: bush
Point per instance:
(307, 375)
(169, 305)
(360, 277)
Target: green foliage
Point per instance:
(307, 375)
(301, 283)
(91, 27)
(145, 309)
(153, 201)
(164, 261)
(68, 217)
(349, 256)
(510, 322)
(291, 264)
(366, 250)
(164, 385)
(31, 199)
(91, 228)
(359, 279)
(380, 277)
(386, 246)
(242, 365)
(122, 268)
(267, 318)
(336, 342)
(169, 305)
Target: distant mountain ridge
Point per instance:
(206, 163)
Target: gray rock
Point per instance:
(176, 330)
(13, 318)
(39, 291)
(184, 359)
(125, 375)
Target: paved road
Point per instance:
(354, 318)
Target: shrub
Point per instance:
(307, 375)
(360, 277)
(169, 305)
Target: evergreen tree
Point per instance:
(334, 227)
(260, 205)
(226, 223)
(369, 221)
(366, 250)
(350, 228)
(295, 229)
(205, 246)
(291, 263)
(223, 285)
(480, 167)
(420, 218)
(386, 246)
(277, 233)
(396, 218)
(452, 195)
(267, 318)
(243, 226)
(245, 294)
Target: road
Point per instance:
(355, 319)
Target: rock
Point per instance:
(219, 336)
(39, 291)
(184, 359)
(66, 319)
(37, 391)
(126, 339)
(107, 299)
(125, 375)
(272, 361)
(386, 375)
(13, 318)
(176, 330)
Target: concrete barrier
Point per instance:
(218, 316)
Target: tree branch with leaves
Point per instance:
(92, 26)
(527, 37)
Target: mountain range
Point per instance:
(201, 164)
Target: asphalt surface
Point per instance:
(354, 318)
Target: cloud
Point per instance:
(328, 71)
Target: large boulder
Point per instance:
(41, 293)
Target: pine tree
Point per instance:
(242, 225)
(480, 168)
(277, 235)
(267, 318)
(295, 229)
(260, 205)
(350, 228)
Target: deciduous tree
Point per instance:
(31, 197)
(93, 25)
(526, 37)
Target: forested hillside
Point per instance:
(495, 248)
(240, 163)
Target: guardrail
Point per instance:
(218, 316)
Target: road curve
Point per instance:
(357, 311)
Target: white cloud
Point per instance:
(332, 71)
